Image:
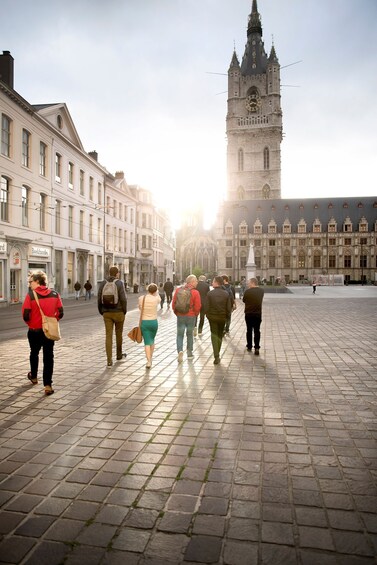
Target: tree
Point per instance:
(197, 271)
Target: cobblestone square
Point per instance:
(268, 459)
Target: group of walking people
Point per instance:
(191, 302)
(216, 304)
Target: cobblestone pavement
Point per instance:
(259, 460)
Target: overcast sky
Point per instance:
(136, 77)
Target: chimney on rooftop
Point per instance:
(6, 68)
(94, 155)
(119, 175)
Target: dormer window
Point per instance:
(363, 225)
(347, 225)
(301, 228)
(258, 227)
(243, 228)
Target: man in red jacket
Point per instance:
(51, 305)
(186, 317)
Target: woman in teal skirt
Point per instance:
(149, 324)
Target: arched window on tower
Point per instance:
(240, 160)
(241, 193)
(266, 158)
(266, 192)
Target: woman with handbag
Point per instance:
(41, 301)
(148, 306)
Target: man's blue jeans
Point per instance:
(185, 324)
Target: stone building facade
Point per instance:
(295, 240)
(299, 240)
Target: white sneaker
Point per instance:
(148, 365)
(195, 332)
(180, 357)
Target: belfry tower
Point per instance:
(254, 119)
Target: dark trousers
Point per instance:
(253, 323)
(227, 323)
(217, 330)
(201, 320)
(169, 298)
(37, 341)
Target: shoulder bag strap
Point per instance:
(39, 306)
(142, 310)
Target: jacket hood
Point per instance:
(43, 290)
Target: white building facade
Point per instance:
(61, 211)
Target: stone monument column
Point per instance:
(250, 265)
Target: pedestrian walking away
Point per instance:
(148, 304)
(218, 309)
(232, 293)
(168, 288)
(203, 288)
(77, 288)
(51, 305)
(112, 305)
(253, 299)
(243, 287)
(88, 290)
(186, 306)
(314, 287)
(161, 293)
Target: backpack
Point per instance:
(110, 294)
(182, 301)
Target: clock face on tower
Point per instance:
(252, 103)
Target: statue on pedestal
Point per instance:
(250, 265)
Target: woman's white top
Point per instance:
(150, 305)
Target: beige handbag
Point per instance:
(135, 334)
(50, 324)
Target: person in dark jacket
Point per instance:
(51, 305)
(168, 288)
(218, 308)
(113, 316)
(253, 299)
(77, 288)
(203, 288)
(88, 290)
(232, 293)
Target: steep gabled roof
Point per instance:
(59, 117)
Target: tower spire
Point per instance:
(255, 24)
(254, 60)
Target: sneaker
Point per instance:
(48, 390)
(148, 365)
(216, 361)
(180, 357)
(109, 363)
(248, 348)
(190, 355)
(33, 380)
(123, 356)
(195, 332)
(256, 352)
